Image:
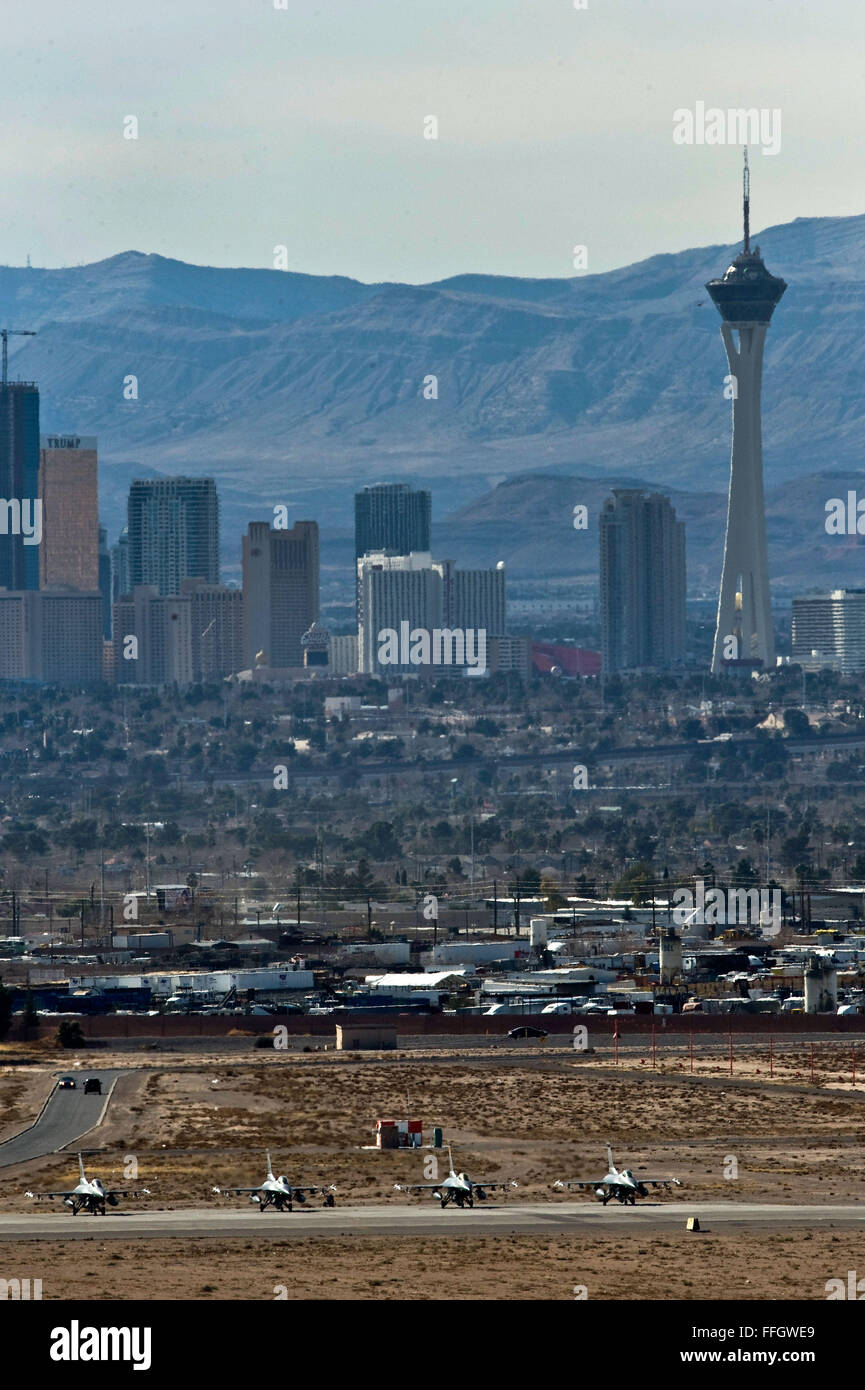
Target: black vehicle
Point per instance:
(93, 1086)
(66, 1083)
(527, 1030)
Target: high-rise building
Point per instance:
(69, 636)
(459, 609)
(15, 656)
(475, 599)
(153, 638)
(280, 592)
(120, 577)
(829, 630)
(69, 552)
(745, 297)
(393, 518)
(173, 532)
(19, 485)
(105, 581)
(510, 654)
(54, 635)
(392, 590)
(642, 549)
(217, 629)
(342, 657)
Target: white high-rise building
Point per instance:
(829, 630)
(394, 589)
(745, 297)
(459, 610)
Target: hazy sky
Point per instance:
(304, 127)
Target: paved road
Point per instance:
(409, 1220)
(67, 1116)
(548, 757)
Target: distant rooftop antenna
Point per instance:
(746, 202)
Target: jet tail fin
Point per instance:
(269, 1165)
(81, 1168)
(610, 1156)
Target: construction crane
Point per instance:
(6, 334)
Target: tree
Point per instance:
(550, 892)
(70, 1033)
(31, 1017)
(796, 723)
(380, 841)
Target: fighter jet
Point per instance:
(620, 1184)
(456, 1187)
(90, 1195)
(278, 1192)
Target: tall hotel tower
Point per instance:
(745, 298)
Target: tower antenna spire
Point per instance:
(746, 202)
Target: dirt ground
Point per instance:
(192, 1122)
(561, 1269)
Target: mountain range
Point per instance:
(297, 389)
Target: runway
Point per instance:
(65, 1117)
(542, 1218)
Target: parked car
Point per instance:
(93, 1086)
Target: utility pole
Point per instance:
(768, 849)
(473, 850)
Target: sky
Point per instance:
(303, 127)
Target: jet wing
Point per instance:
(236, 1191)
(585, 1182)
(437, 1186)
(127, 1192)
(660, 1182)
(330, 1187)
(37, 1196)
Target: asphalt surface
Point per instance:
(413, 1220)
(67, 1116)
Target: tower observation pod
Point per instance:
(745, 297)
